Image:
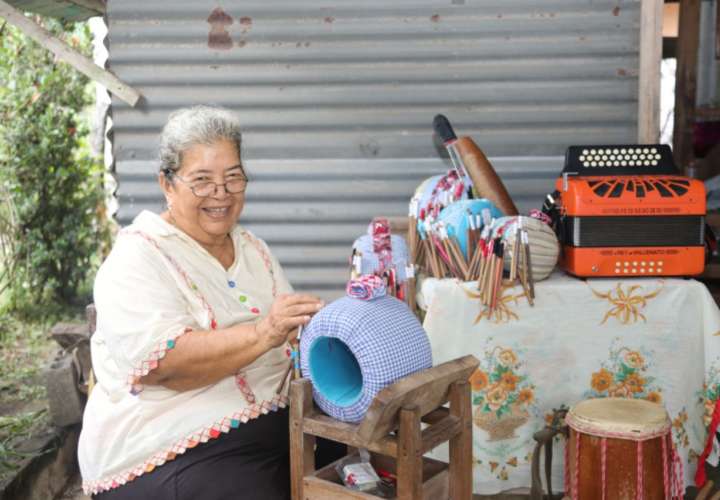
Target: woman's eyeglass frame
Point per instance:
(212, 187)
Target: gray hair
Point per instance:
(187, 127)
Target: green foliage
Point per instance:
(13, 430)
(25, 347)
(51, 217)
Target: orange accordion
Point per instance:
(626, 211)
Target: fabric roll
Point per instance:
(366, 287)
(352, 349)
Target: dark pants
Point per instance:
(251, 462)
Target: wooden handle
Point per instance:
(484, 178)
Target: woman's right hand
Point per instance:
(287, 313)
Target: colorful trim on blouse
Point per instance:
(202, 435)
(151, 362)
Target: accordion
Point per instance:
(624, 210)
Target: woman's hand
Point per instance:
(287, 313)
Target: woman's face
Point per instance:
(210, 219)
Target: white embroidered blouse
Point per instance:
(156, 284)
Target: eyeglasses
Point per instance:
(235, 185)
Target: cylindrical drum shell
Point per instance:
(621, 480)
(633, 432)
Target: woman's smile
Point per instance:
(217, 212)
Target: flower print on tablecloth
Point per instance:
(710, 393)
(624, 375)
(678, 429)
(626, 303)
(502, 468)
(501, 394)
(503, 311)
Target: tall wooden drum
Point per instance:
(620, 449)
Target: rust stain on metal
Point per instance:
(219, 16)
(219, 38)
(329, 19)
(246, 24)
(435, 18)
(616, 11)
(621, 72)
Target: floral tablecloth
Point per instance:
(649, 338)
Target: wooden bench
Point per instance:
(392, 431)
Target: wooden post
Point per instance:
(302, 446)
(686, 82)
(69, 55)
(409, 460)
(717, 33)
(461, 459)
(649, 74)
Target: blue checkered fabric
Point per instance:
(383, 335)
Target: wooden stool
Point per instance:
(401, 406)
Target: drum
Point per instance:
(620, 449)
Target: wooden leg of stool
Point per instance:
(461, 457)
(409, 460)
(302, 446)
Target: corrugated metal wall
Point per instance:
(337, 99)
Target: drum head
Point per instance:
(627, 418)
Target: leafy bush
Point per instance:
(53, 185)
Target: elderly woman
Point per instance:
(191, 355)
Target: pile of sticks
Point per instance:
(439, 254)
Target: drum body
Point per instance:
(619, 449)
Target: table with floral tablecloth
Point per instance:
(651, 338)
